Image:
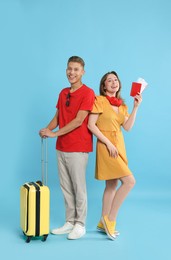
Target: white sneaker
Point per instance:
(65, 229)
(77, 232)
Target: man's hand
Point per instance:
(45, 132)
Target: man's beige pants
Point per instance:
(72, 176)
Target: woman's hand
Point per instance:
(137, 100)
(45, 132)
(113, 152)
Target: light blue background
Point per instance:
(132, 37)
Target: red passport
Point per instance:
(136, 87)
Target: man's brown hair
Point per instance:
(76, 59)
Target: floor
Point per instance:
(144, 223)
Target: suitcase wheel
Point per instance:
(44, 238)
(28, 239)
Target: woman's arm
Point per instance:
(129, 121)
(95, 130)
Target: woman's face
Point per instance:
(111, 85)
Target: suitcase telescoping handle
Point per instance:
(44, 160)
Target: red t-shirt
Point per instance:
(80, 139)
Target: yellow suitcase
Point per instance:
(35, 207)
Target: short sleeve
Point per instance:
(88, 100)
(125, 111)
(98, 105)
(58, 101)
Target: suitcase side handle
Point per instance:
(26, 186)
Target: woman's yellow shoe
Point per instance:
(100, 227)
(109, 227)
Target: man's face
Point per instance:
(74, 72)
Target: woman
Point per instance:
(108, 115)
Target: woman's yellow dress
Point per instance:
(109, 123)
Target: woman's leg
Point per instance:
(108, 196)
(127, 183)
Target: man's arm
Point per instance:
(52, 125)
(54, 122)
(76, 122)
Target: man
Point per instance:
(74, 142)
